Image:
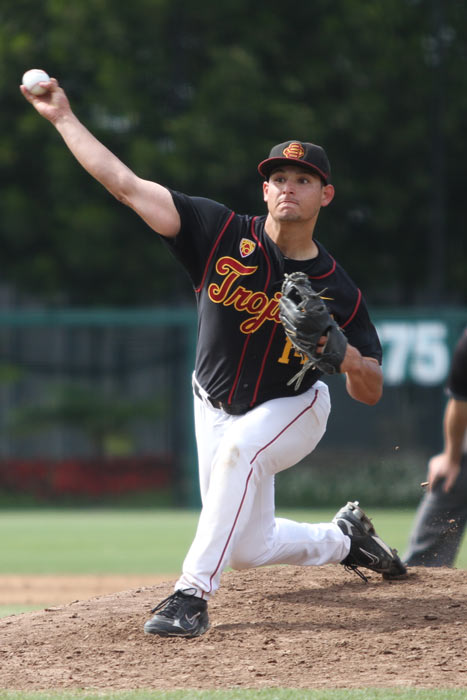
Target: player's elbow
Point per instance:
(374, 398)
(364, 382)
(368, 392)
(367, 400)
(123, 186)
(122, 194)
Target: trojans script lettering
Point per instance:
(260, 307)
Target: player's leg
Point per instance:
(254, 447)
(184, 613)
(210, 426)
(267, 540)
(439, 524)
(245, 451)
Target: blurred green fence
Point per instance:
(90, 398)
(97, 403)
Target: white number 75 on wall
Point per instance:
(414, 351)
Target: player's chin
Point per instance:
(288, 215)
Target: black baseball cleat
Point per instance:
(366, 548)
(180, 615)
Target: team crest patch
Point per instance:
(294, 150)
(246, 247)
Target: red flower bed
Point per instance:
(90, 477)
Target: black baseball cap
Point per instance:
(307, 155)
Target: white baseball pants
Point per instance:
(238, 458)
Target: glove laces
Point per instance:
(298, 378)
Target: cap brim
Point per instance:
(266, 167)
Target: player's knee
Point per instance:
(240, 562)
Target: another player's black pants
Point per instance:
(439, 524)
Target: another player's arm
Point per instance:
(151, 201)
(364, 376)
(455, 426)
(447, 464)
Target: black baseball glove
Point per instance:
(306, 319)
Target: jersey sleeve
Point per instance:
(457, 380)
(202, 220)
(361, 333)
(346, 303)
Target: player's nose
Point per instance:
(289, 185)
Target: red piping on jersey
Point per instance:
(326, 274)
(307, 408)
(263, 364)
(212, 251)
(245, 345)
(359, 298)
(260, 245)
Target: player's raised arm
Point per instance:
(151, 201)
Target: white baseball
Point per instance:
(32, 78)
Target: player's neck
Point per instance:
(293, 239)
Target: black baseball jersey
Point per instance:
(457, 381)
(243, 355)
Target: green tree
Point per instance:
(193, 95)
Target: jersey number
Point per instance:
(284, 359)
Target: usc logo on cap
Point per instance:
(294, 150)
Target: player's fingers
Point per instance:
(26, 93)
(48, 85)
(447, 486)
(321, 344)
(29, 96)
(432, 481)
(449, 482)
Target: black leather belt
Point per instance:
(232, 410)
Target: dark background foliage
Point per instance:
(193, 95)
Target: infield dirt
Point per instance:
(290, 627)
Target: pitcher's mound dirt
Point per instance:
(275, 627)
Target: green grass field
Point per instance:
(100, 541)
(106, 541)
(109, 541)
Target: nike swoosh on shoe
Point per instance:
(191, 619)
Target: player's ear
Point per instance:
(265, 190)
(327, 195)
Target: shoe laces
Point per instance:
(356, 570)
(171, 603)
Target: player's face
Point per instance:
(294, 194)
